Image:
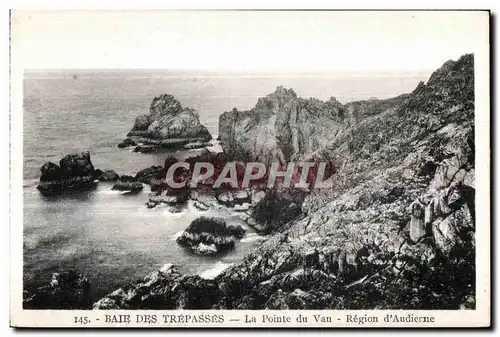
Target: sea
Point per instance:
(113, 238)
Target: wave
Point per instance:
(46, 240)
(176, 235)
(110, 191)
(251, 237)
(215, 145)
(218, 268)
(30, 182)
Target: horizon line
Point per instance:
(309, 70)
(207, 74)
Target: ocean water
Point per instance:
(113, 238)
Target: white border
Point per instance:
(478, 317)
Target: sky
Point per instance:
(245, 40)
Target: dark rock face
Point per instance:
(274, 210)
(144, 149)
(97, 174)
(109, 175)
(207, 236)
(236, 230)
(162, 289)
(74, 172)
(50, 171)
(67, 290)
(154, 172)
(126, 143)
(142, 122)
(169, 161)
(76, 165)
(127, 183)
(360, 109)
(204, 200)
(169, 125)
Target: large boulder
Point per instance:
(76, 165)
(169, 125)
(109, 175)
(154, 172)
(128, 184)
(74, 172)
(67, 290)
(208, 236)
(142, 122)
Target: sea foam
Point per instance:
(218, 268)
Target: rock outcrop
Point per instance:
(126, 143)
(208, 236)
(108, 175)
(162, 289)
(284, 127)
(127, 184)
(275, 209)
(67, 290)
(168, 125)
(74, 172)
(151, 173)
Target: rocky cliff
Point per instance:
(285, 127)
(397, 228)
(168, 124)
(395, 231)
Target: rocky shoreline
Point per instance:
(395, 231)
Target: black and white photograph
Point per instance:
(250, 168)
